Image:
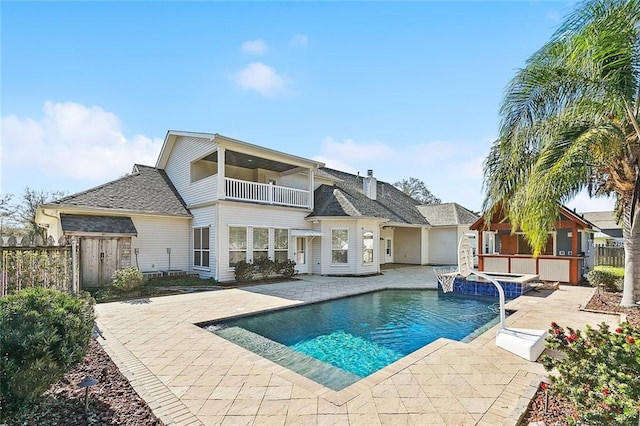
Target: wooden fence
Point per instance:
(608, 256)
(43, 264)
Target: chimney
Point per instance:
(369, 185)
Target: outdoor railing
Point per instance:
(242, 190)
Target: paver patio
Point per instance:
(189, 376)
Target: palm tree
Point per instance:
(569, 121)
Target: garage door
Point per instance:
(443, 246)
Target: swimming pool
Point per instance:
(338, 342)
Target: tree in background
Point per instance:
(7, 212)
(20, 218)
(416, 189)
(569, 121)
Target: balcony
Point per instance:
(242, 190)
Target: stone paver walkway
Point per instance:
(189, 376)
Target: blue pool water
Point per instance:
(338, 342)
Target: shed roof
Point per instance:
(87, 224)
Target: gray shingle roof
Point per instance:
(75, 223)
(346, 198)
(447, 214)
(603, 220)
(146, 190)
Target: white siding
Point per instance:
(424, 246)
(201, 191)
(178, 168)
(249, 215)
(523, 266)
(155, 235)
(407, 245)
(496, 264)
(554, 270)
(316, 254)
(205, 217)
(443, 246)
(296, 180)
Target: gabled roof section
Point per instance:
(502, 216)
(235, 145)
(145, 190)
(346, 198)
(447, 214)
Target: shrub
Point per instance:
(265, 267)
(610, 278)
(243, 271)
(128, 279)
(286, 268)
(598, 372)
(43, 333)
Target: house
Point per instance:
(609, 232)
(212, 201)
(566, 258)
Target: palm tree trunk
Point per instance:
(631, 241)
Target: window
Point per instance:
(237, 244)
(260, 244)
(201, 247)
(339, 246)
(367, 246)
(281, 245)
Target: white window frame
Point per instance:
(255, 249)
(199, 241)
(366, 260)
(237, 250)
(277, 249)
(342, 249)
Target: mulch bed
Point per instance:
(557, 410)
(111, 402)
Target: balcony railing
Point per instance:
(242, 190)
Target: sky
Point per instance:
(407, 89)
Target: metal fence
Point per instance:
(609, 256)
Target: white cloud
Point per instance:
(299, 40)
(255, 47)
(261, 78)
(582, 203)
(553, 16)
(75, 141)
(348, 150)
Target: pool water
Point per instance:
(338, 342)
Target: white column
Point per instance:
(311, 176)
(221, 174)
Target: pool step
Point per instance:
(327, 375)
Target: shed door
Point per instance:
(98, 261)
